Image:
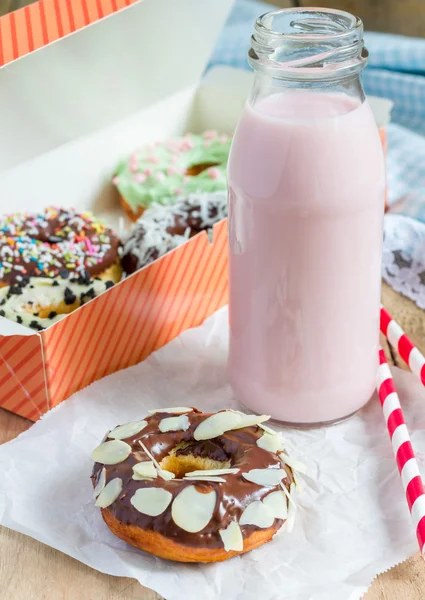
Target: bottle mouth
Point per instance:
(308, 43)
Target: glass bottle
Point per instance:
(306, 201)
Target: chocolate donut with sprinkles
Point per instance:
(57, 243)
(164, 227)
(194, 487)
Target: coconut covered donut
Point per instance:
(164, 227)
(40, 302)
(57, 243)
(194, 487)
(163, 171)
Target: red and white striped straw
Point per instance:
(400, 342)
(402, 447)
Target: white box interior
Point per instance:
(79, 173)
(104, 73)
(70, 111)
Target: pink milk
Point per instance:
(306, 199)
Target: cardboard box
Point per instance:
(95, 97)
(40, 23)
(68, 113)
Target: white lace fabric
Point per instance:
(403, 261)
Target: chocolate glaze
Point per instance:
(233, 496)
(131, 261)
(57, 242)
(213, 449)
(190, 216)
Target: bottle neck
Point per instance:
(265, 85)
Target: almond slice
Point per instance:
(250, 420)
(291, 510)
(273, 432)
(111, 453)
(216, 425)
(151, 501)
(297, 465)
(288, 495)
(257, 514)
(265, 477)
(267, 429)
(128, 430)
(167, 475)
(144, 470)
(193, 510)
(110, 493)
(271, 443)
(155, 462)
(232, 537)
(213, 479)
(100, 483)
(174, 410)
(297, 481)
(213, 472)
(277, 503)
(180, 423)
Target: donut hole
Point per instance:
(181, 463)
(195, 170)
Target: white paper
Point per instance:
(352, 521)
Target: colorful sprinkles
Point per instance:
(54, 243)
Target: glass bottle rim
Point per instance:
(315, 44)
(357, 23)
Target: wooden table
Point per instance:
(31, 571)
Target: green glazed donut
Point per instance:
(163, 171)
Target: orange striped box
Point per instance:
(75, 108)
(46, 21)
(117, 329)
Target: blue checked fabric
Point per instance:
(396, 70)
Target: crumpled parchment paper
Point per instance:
(352, 520)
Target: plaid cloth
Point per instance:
(396, 70)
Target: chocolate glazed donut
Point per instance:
(164, 227)
(194, 487)
(56, 243)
